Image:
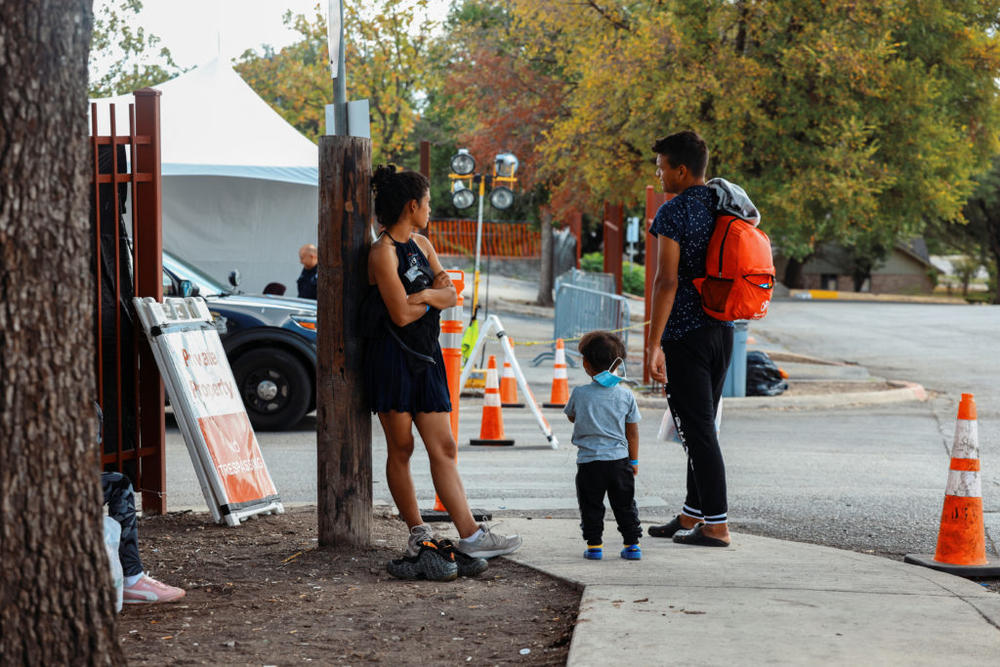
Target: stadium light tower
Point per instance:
(463, 176)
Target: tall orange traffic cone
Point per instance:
(560, 380)
(961, 546)
(508, 387)
(491, 430)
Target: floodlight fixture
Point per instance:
(506, 165)
(462, 163)
(462, 196)
(501, 198)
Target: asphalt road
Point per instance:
(870, 478)
(865, 478)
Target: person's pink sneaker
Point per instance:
(148, 590)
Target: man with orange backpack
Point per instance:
(688, 349)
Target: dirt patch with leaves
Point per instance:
(264, 593)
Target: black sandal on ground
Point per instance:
(666, 530)
(696, 537)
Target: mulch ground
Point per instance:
(264, 593)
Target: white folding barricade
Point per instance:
(208, 408)
(493, 327)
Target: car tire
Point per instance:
(274, 386)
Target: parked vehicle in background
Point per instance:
(270, 342)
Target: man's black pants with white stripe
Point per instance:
(696, 372)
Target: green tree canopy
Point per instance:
(386, 61)
(124, 58)
(845, 121)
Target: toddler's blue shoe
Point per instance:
(594, 552)
(632, 552)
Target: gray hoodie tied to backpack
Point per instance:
(733, 200)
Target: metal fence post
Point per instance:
(614, 235)
(147, 200)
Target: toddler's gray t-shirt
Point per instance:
(600, 414)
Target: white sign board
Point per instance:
(334, 20)
(632, 231)
(208, 408)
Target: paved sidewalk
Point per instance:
(761, 601)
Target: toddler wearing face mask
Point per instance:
(605, 420)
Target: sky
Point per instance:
(191, 28)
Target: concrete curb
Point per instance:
(900, 393)
(795, 357)
(809, 294)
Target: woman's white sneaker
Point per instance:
(487, 544)
(418, 535)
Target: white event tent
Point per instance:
(239, 182)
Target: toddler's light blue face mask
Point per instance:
(609, 379)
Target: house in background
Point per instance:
(907, 270)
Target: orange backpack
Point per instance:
(739, 271)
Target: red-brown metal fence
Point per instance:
(500, 239)
(130, 392)
(654, 200)
(614, 241)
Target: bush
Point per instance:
(633, 278)
(592, 261)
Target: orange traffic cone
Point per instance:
(560, 381)
(491, 430)
(508, 387)
(961, 546)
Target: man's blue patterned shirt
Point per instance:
(688, 219)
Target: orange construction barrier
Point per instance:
(491, 430)
(508, 387)
(560, 380)
(451, 344)
(451, 350)
(961, 545)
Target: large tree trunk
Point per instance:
(545, 278)
(993, 232)
(859, 275)
(794, 279)
(56, 597)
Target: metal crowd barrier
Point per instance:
(580, 310)
(601, 282)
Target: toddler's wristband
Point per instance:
(633, 462)
(427, 307)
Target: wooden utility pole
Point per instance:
(344, 425)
